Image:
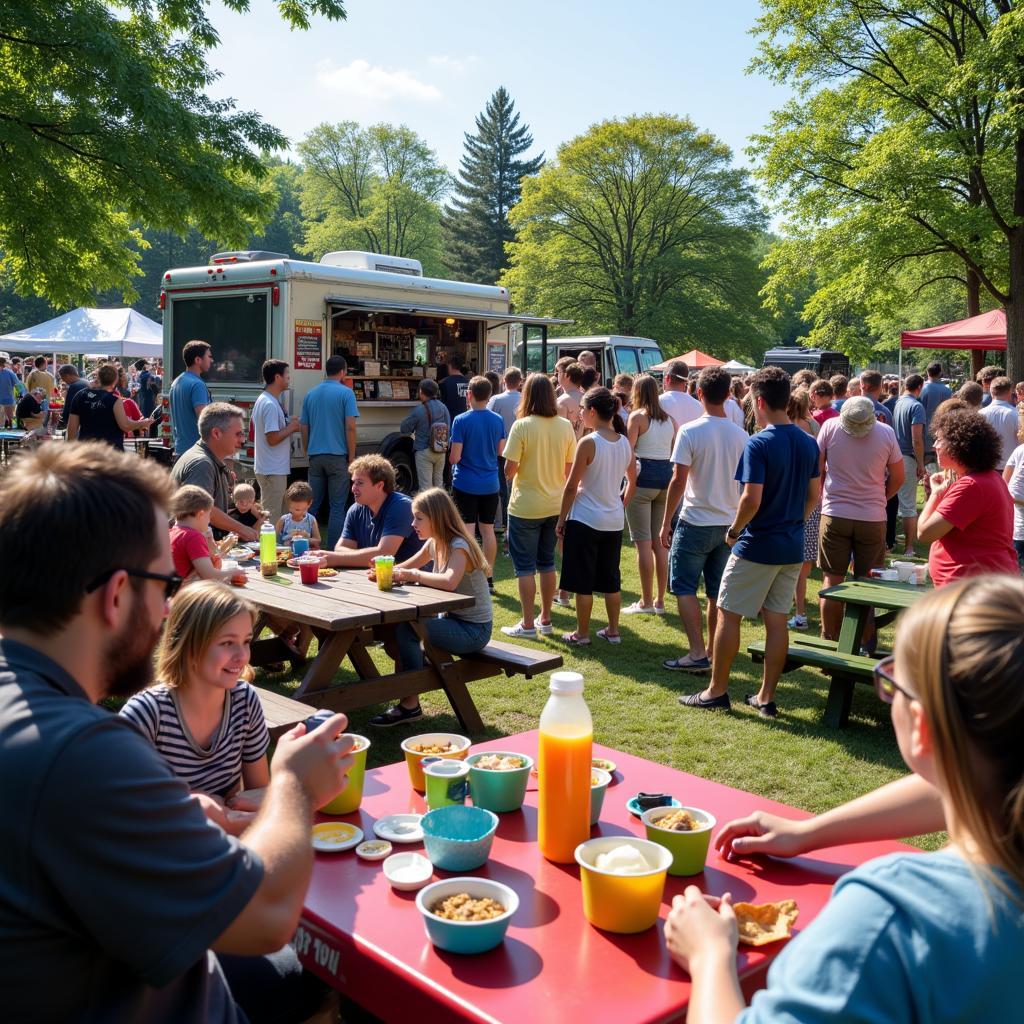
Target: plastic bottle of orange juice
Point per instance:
(563, 769)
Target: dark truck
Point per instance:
(792, 358)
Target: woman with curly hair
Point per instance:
(968, 517)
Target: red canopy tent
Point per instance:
(987, 331)
(694, 359)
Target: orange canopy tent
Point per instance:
(694, 359)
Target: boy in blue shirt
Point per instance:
(779, 473)
(478, 438)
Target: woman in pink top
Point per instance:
(968, 518)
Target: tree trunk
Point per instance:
(973, 309)
(1015, 308)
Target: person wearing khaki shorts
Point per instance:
(747, 588)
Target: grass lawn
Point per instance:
(795, 759)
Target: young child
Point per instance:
(300, 522)
(459, 567)
(246, 509)
(195, 553)
(907, 937)
(203, 717)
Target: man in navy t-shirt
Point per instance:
(779, 473)
(478, 438)
(380, 521)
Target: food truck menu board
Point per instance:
(309, 335)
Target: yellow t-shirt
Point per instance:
(542, 445)
(41, 379)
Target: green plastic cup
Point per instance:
(689, 849)
(599, 780)
(497, 790)
(447, 783)
(349, 799)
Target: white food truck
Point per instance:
(393, 326)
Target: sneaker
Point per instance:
(660, 609)
(564, 602)
(768, 710)
(545, 628)
(696, 666)
(395, 716)
(636, 608)
(520, 630)
(797, 622)
(695, 700)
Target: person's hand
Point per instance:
(761, 833)
(247, 800)
(213, 808)
(700, 925)
(730, 540)
(666, 536)
(560, 528)
(921, 472)
(246, 532)
(371, 574)
(318, 760)
(238, 821)
(238, 579)
(940, 483)
(403, 575)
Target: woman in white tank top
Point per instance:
(651, 431)
(591, 518)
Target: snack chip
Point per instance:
(678, 821)
(325, 571)
(431, 748)
(761, 923)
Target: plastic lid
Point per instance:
(566, 682)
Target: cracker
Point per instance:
(761, 923)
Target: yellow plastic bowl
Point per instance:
(459, 752)
(622, 903)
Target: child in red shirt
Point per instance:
(193, 551)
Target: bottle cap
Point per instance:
(566, 682)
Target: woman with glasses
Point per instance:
(203, 717)
(908, 937)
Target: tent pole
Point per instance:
(901, 362)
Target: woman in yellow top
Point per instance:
(538, 456)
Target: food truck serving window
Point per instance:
(237, 326)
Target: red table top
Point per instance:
(369, 940)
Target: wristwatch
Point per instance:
(732, 534)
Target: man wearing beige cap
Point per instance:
(856, 454)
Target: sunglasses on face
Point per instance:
(171, 581)
(885, 682)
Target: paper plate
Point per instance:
(604, 764)
(374, 849)
(635, 808)
(399, 828)
(335, 836)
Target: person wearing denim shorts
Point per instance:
(705, 456)
(538, 456)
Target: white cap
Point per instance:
(566, 682)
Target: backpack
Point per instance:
(438, 432)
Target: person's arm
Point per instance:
(501, 447)
(222, 521)
(627, 494)
(314, 537)
(447, 580)
(676, 487)
(917, 438)
(346, 554)
(897, 474)
(750, 502)
(455, 453)
(276, 437)
(511, 468)
(256, 774)
(304, 429)
(279, 526)
(908, 807)
(408, 425)
(419, 559)
(205, 570)
(350, 436)
(125, 422)
(73, 425)
(584, 456)
(930, 525)
(813, 494)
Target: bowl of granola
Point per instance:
(685, 832)
(498, 779)
(431, 744)
(467, 915)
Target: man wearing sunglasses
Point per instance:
(115, 890)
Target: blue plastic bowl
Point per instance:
(458, 838)
(466, 936)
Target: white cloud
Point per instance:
(362, 80)
(459, 65)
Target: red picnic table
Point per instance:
(368, 940)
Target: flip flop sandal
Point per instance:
(612, 638)
(576, 640)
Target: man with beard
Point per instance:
(119, 901)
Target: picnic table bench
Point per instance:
(280, 712)
(841, 659)
(347, 614)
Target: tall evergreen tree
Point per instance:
(476, 224)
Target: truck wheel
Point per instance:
(405, 472)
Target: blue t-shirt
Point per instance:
(881, 413)
(784, 459)
(8, 382)
(420, 420)
(187, 391)
(905, 938)
(324, 410)
(393, 520)
(986, 400)
(908, 411)
(933, 394)
(479, 432)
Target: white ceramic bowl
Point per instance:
(408, 871)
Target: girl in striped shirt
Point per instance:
(203, 716)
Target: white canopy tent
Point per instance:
(94, 332)
(735, 366)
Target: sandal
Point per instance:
(688, 664)
(612, 638)
(575, 639)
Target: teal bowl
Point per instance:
(458, 838)
(599, 781)
(498, 791)
(466, 936)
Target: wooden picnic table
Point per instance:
(347, 613)
(368, 940)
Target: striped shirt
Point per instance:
(240, 738)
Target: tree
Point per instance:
(904, 146)
(105, 125)
(642, 226)
(476, 226)
(376, 188)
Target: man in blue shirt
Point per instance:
(779, 473)
(933, 394)
(190, 395)
(328, 422)
(8, 384)
(478, 438)
(420, 423)
(910, 420)
(379, 521)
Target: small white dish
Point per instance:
(408, 871)
(374, 849)
(399, 828)
(336, 836)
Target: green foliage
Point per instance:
(105, 125)
(642, 226)
(375, 188)
(476, 227)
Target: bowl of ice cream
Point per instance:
(623, 880)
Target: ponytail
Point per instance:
(606, 406)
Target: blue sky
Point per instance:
(567, 64)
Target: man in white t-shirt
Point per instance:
(271, 429)
(706, 454)
(675, 398)
(1013, 474)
